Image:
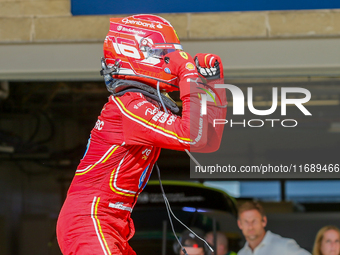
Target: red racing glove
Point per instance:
(181, 64)
(209, 66)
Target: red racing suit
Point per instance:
(122, 150)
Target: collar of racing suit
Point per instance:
(120, 87)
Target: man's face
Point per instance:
(252, 224)
(330, 244)
(193, 251)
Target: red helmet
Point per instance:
(138, 44)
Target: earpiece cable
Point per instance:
(166, 201)
(168, 208)
(160, 98)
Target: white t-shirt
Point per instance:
(273, 244)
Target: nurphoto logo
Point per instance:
(238, 106)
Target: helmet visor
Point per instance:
(159, 50)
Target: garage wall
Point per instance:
(41, 40)
(31, 21)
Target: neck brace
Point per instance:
(120, 87)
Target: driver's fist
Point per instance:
(209, 66)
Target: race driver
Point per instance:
(143, 59)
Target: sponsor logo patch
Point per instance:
(136, 106)
(138, 22)
(130, 30)
(184, 55)
(151, 111)
(189, 66)
(167, 70)
(120, 206)
(142, 177)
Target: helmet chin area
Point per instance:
(165, 86)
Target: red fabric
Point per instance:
(182, 65)
(122, 150)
